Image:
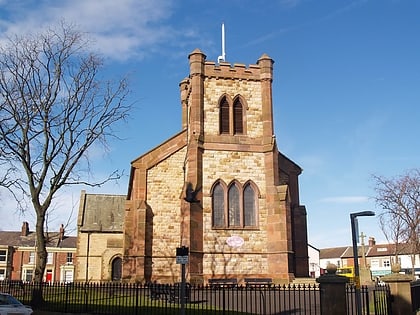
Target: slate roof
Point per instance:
(333, 252)
(101, 213)
(15, 239)
(389, 249)
(349, 251)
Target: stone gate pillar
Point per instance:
(332, 290)
(399, 284)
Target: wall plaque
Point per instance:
(235, 241)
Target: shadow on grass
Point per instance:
(169, 309)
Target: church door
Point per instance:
(116, 269)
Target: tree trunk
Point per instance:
(41, 250)
(37, 299)
(40, 261)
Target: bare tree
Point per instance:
(393, 228)
(53, 109)
(399, 198)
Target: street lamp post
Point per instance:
(354, 233)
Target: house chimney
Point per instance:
(61, 232)
(372, 241)
(25, 229)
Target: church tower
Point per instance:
(219, 187)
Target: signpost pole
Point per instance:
(182, 311)
(182, 259)
(354, 236)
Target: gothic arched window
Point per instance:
(234, 206)
(116, 269)
(224, 116)
(218, 206)
(238, 126)
(249, 206)
(232, 119)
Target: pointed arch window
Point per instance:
(116, 269)
(238, 127)
(249, 206)
(224, 116)
(218, 206)
(232, 118)
(234, 206)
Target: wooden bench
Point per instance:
(169, 292)
(223, 283)
(258, 282)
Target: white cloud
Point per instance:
(119, 29)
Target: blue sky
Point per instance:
(346, 87)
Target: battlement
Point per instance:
(226, 70)
(263, 70)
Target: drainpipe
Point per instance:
(87, 258)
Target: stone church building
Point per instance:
(219, 187)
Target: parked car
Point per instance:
(10, 305)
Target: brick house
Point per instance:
(18, 250)
(219, 187)
(377, 257)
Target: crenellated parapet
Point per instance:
(261, 71)
(225, 70)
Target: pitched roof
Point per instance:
(390, 249)
(101, 213)
(16, 239)
(317, 249)
(370, 251)
(333, 252)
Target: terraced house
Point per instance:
(18, 250)
(219, 187)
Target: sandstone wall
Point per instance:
(98, 257)
(165, 183)
(251, 93)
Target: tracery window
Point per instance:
(234, 206)
(231, 115)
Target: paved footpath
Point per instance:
(55, 313)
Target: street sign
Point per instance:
(182, 255)
(182, 260)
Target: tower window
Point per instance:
(238, 127)
(234, 206)
(224, 116)
(231, 116)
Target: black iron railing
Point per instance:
(136, 299)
